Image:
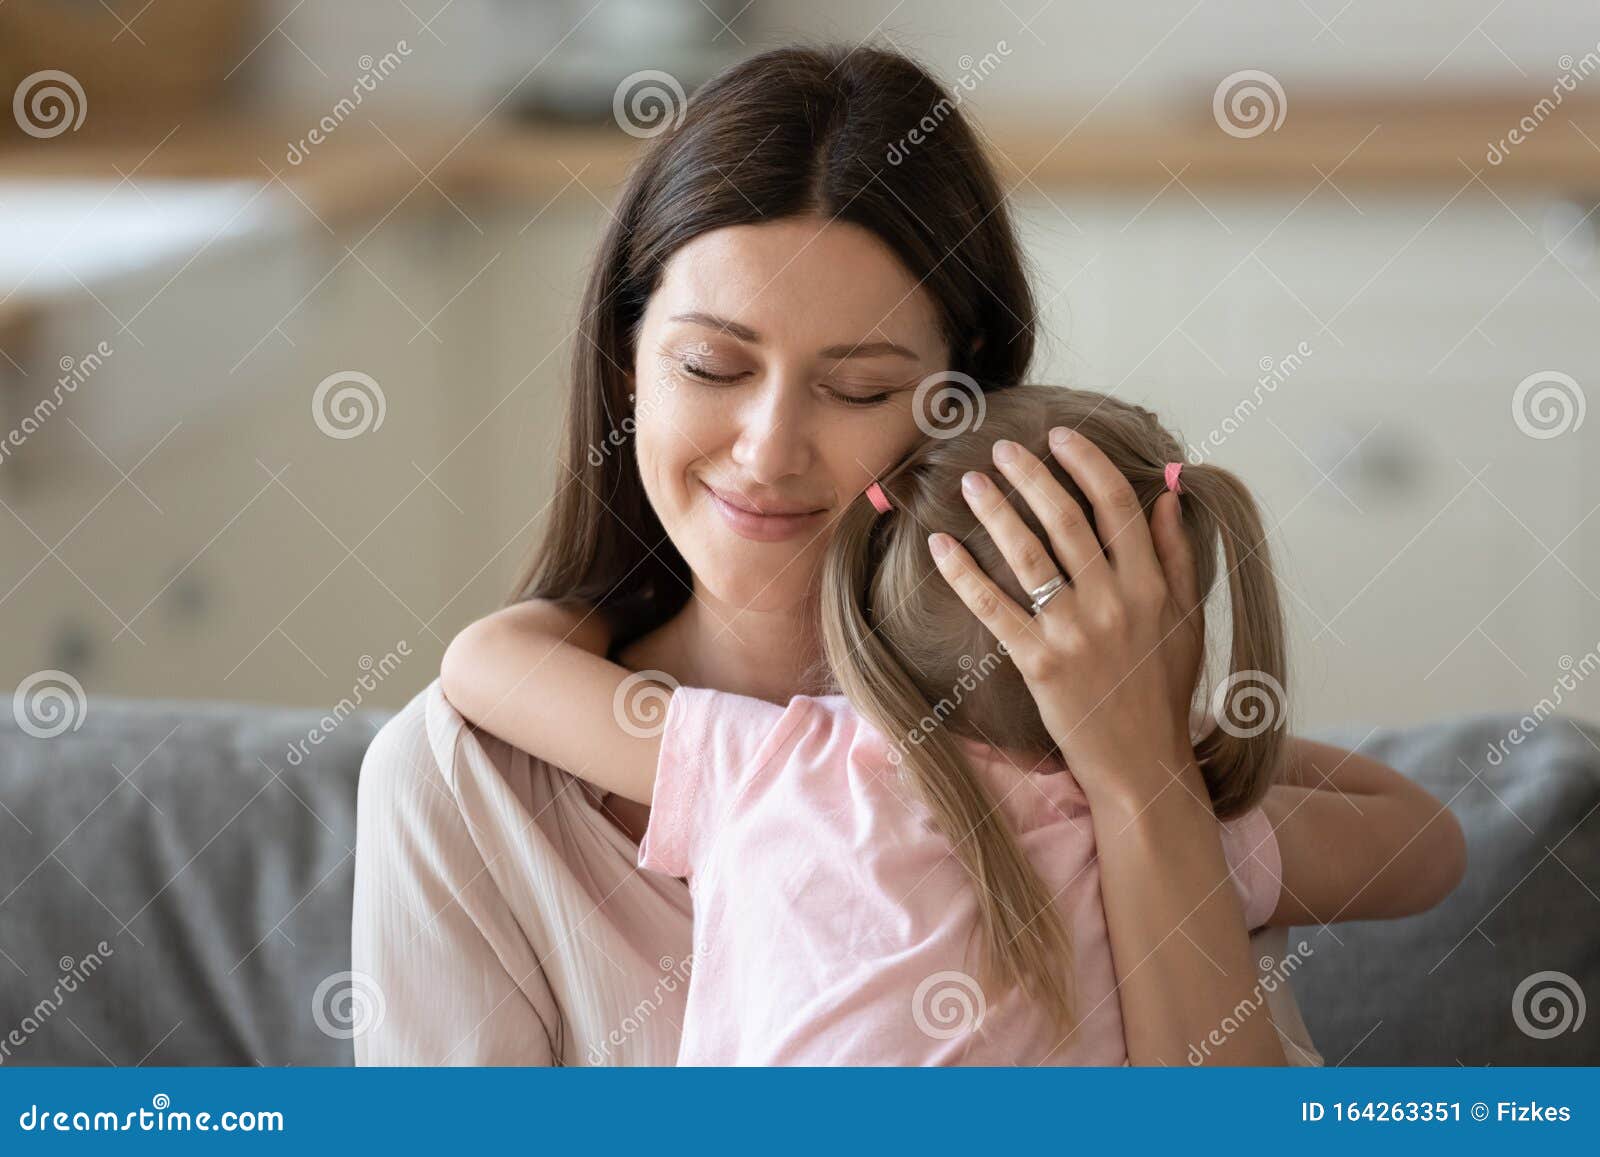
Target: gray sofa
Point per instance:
(174, 889)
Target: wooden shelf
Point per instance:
(364, 169)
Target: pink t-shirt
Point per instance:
(833, 921)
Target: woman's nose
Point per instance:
(774, 439)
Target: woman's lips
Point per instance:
(762, 527)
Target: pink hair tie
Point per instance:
(879, 499)
(1172, 476)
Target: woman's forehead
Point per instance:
(801, 281)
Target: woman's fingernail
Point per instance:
(1060, 436)
(973, 482)
(939, 544)
(1005, 451)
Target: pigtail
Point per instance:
(1024, 942)
(1241, 754)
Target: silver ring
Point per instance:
(1044, 592)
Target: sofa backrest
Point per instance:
(175, 882)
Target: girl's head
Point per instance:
(906, 650)
(776, 280)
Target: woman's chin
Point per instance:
(754, 585)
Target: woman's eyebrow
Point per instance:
(721, 324)
(860, 349)
(869, 349)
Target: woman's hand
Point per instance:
(1112, 661)
(1113, 657)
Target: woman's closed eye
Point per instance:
(707, 373)
(716, 374)
(870, 389)
(861, 399)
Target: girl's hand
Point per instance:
(1113, 657)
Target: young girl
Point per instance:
(904, 872)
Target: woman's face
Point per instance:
(774, 379)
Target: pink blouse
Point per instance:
(834, 924)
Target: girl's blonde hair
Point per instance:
(903, 648)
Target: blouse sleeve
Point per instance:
(712, 743)
(1255, 864)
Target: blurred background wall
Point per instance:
(286, 290)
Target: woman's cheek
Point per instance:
(880, 445)
(669, 431)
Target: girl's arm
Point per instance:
(535, 675)
(1359, 840)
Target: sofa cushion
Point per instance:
(1442, 988)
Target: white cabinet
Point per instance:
(1413, 513)
(247, 554)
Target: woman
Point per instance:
(769, 251)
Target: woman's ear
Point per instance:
(977, 344)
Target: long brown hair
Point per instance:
(904, 648)
(792, 132)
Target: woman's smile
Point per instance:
(746, 520)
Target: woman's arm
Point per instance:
(1112, 665)
(1176, 925)
(1359, 841)
(535, 675)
